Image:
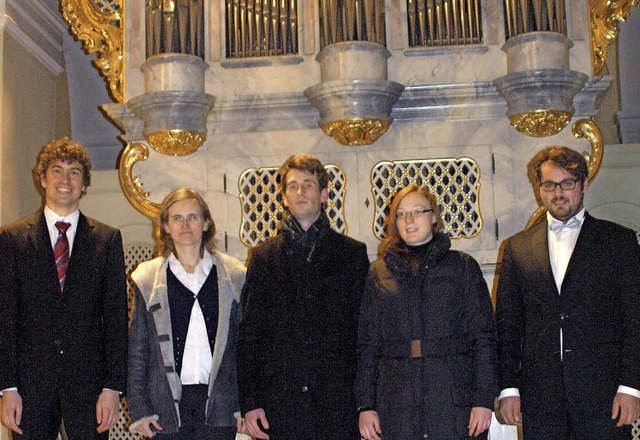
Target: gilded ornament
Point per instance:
(604, 17)
(356, 131)
(540, 123)
(131, 186)
(176, 142)
(582, 128)
(101, 32)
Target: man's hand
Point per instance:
(510, 410)
(240, 425)
(251, 420)
(12, 410)
(627, 407)
(479, 420)
(369, 425)
(107, 409)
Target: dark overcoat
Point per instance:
(297, 339)
(71, 343)
(445, 304)
(598, 313)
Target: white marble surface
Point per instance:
(537, 50)
(170, 71)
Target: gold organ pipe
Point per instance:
(430, 13)
(421, 22)
(293, 17)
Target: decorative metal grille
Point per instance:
(108, 6)
(454, 181)
(635, 430)
(261, 203)
(444, 22)
(257, 28)
(132, 256)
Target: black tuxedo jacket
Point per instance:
(598, 311)
(75, 340)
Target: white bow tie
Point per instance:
(557, 226)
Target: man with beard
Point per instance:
(568, 311)
(297, 341)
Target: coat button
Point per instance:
(304, 388)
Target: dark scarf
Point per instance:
(304, 242)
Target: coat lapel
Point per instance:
(81, 254)
(581, 251)
(43, 260)
(538, 243)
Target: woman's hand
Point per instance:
(369, 425)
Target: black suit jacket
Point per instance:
(76, 339)
(297, 341)
(598, 311)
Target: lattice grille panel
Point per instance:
(108, 6)
(454, 181)
(132, 256)
(261, 203)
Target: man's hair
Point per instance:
(303, 162)
(392, 235)
(563, 157)
(164, 242)
(67, 151)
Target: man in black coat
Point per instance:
(63, 338)
(568, 311)
(297, 340)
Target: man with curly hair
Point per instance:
(64, 309)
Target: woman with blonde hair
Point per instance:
(427, 333)
(182, 340)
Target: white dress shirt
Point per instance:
(196, 360)
(51, 218)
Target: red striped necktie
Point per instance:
(61, 252)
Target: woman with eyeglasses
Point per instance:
(182, 339)
(427, 333)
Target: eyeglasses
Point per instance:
(418, 212)
(566, 184)
(304, 186)
(180, 219)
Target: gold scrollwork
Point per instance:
(176, 142)
(604, 17)
(131, 186)
(582, 128)
(101, 32)
(540, 123)
(356, 131)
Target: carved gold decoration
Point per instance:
(356, 131)
(540, 123)
(604, 17)
(582, 128)
(131, 186)
(101, 31)
(176, 142)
